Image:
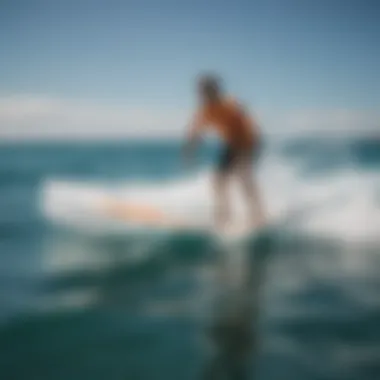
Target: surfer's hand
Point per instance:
(189, 149)
(187, 157)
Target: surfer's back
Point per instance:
(228, 118)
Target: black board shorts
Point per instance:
(230, 156)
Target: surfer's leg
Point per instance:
(251, 191)
(222, 208)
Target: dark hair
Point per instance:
(210, 84)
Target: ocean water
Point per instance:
(82, 298)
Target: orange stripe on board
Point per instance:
(138, 213)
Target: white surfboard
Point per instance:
(94, 208)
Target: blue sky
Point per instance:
(274, 54)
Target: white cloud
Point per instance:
(30, 117)
(33, 117)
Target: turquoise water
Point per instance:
(295, 303)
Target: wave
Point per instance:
(343, 205)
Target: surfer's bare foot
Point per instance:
(258, 222)
(221, 217)
(224, 225)
(221, 225)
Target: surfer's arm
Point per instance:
(194, 135)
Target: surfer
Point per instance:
(241, 143)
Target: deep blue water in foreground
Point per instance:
(287, 305)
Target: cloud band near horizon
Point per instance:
(32, 117)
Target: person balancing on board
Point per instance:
(241, 143)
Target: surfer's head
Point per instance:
(209, 87)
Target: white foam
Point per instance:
(342, 205)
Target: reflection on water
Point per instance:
(233, 332)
